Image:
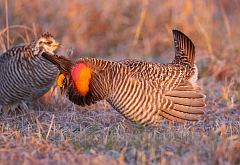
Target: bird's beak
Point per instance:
(57, 45)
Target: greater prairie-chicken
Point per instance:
(142, 92)
(24, 74)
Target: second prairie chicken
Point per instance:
(24, 74)
(142, 92)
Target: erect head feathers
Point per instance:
(60, 80)
(64, 64)
(81, 75)
(63, 82)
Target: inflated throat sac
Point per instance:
(81, 75)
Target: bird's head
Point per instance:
(47, 43)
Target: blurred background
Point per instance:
(141, 29)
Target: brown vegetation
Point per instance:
(57, 132)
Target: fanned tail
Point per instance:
(184, 49)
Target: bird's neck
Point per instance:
(81, 75)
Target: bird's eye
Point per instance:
(48, 43)
(64, 82)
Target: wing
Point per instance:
(143, 102)
(185, 102)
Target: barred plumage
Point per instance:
(143, 92)
(24, 74)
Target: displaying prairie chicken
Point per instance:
(142, 92)
(24, 74)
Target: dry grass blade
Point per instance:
(50, 127)
(141, 21)
(6, 17)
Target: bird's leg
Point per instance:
(5, 110)
(22, 108)
(17, 109)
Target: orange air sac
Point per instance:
(81, 75)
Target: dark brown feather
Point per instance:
(63, 64)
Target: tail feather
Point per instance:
(184, 49)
